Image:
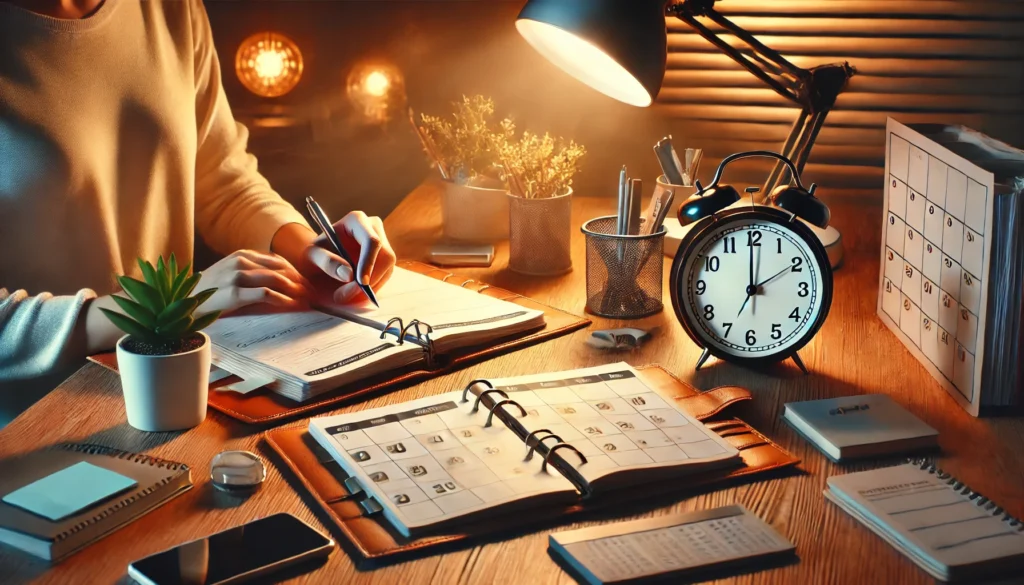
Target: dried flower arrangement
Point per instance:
(463, 146)
(536, 166)
(470, 148)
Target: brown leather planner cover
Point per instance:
(373, 538)
(263, 406)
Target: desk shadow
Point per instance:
(122, 436)
(212, 498)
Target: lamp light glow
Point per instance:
(584, 61)
(614, 46)
(376, 89)
(268, 64)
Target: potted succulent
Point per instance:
(539, 172)
(164, 358)
(474, 206)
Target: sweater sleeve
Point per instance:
(36, 332)
(235, 206)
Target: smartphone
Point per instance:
(462, 254)
(234, 555)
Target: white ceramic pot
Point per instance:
(474, 214)
(165, 392)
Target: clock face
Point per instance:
(752, 285)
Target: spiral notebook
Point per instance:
(303, 354)
(514, 444)
(948, 529)
(153, 482)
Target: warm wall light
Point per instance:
(268, 64)
(376, 90)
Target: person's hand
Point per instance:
(249, 278)
(366, 243)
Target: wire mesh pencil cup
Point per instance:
(624, 273)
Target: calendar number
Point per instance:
(931, 210)
(888, 286)
(968, 280)
(949, 222)
(908, 270)
(911, 195)
(927, 287)
(944, 338)
(890, 255)
(945, 300)
(963, 314)
(927, 325)
(910, 234)
(892, 219)
(970, 237)
(929, 248)
(906, 304)
(948, 262)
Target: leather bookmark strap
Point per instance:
(707, 404)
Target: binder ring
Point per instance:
(500, 403)
(476, 405)
(483, 288)
(463, 285)
(538, 442)
(547, 456)
(415, 324)
(401, 330)
(471, 384)
(447, 276)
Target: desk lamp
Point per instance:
(618, 48)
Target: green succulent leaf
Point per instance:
(150, 277)
(189, 285)
(173, 265)
(179, 279)
(142, 293)
(164, 279)
(175, 329)
(203, 296)
(204, 321)
(144, 316)
(177, 310)
(128, 325)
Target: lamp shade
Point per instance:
(615, 46)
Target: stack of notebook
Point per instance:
(310, 352)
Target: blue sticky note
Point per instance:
(69, 491)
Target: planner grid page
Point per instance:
(935, 254)
(928, 512)
(675, 548)
(613, 418)
(432, 459)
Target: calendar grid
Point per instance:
(934, 255)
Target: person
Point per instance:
(116, 143)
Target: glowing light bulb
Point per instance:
(268, 64)
(376, 83)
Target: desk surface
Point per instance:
(853, 354)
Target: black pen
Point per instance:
(318, 215)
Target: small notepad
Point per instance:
(68, 491)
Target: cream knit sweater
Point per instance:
(116, 141)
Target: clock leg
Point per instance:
(799, 362)
(703, 358)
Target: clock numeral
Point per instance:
(712, 263)
(797, 263)
(803, 290)
(753, 239)
(701, 287)
(795, 315)
(778, 245)
(728, 328)
(730, 245)
(751, 340)
(776, 330)
(709, 312)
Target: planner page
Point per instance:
(451, 311)
(304, 352)
(927, 514)
(617, 422)
(431, 460)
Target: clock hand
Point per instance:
(751, 287)
(774, 276)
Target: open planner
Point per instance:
(310, 352)
(944, 526)
(507, 445)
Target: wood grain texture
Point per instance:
(852, 354)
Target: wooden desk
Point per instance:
(852, 354)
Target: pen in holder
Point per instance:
(624, 273)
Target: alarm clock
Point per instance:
(752, 284)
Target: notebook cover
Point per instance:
(373, 538)
(866, 419)
(263, 406)
(151, 473)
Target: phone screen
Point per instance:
(234, 552)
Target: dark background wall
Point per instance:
(959, 61)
